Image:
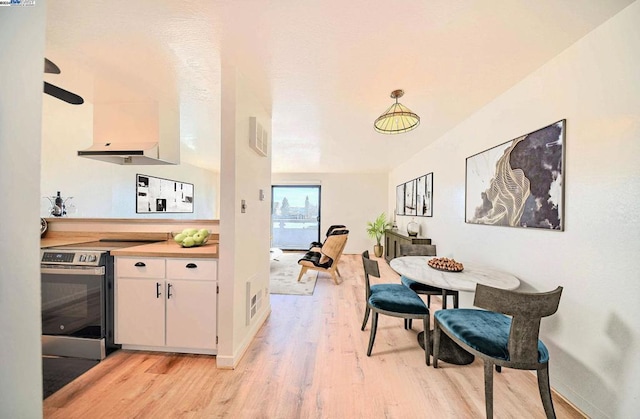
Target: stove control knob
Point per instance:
(91, 258)
(83, 258)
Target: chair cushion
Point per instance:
(396, 298)
(484, 331)
(419, 287)
(315, 258)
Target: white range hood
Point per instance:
(135, 133)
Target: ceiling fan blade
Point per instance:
(50, 67)
(62, 94)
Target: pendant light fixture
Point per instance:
(397, 119)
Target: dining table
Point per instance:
(418, 269)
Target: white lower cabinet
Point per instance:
(166, 304)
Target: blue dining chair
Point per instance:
(394, 300)
(505, 334)
(424, 289)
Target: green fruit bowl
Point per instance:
(191, 237)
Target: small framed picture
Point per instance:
(154, 195)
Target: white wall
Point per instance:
(100, 189)
(594, 339)
(22, 30)
(244, 237)
(351, 199)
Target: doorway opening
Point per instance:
(295, 216)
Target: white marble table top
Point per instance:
(416, 268)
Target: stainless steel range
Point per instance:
(77, 299)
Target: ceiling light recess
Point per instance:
(397, 119)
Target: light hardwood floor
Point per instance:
(308, 361)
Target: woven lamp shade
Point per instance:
(397, 119)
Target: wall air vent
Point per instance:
(258, 137)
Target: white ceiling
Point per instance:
(324, 68)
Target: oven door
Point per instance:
(73, 301)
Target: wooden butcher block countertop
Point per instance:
(170, 249)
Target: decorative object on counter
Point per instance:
(59, 205)
(191, 237)
(154, 194)
(395, 223)
(413, 229)
(446, 264)
(519, 183)
(43, 227)
(376, 229)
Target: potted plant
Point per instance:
(376, 229)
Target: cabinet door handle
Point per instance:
(191, 265)
(139, 264)
(169, 286)
(158, 293)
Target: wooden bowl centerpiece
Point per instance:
(445, 264)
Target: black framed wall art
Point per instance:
(424, 195)
(400, 199)
(415, 197)
(154, 194)
(519, 183)
(410, 197)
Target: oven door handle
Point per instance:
(76, 270)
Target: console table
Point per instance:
(393, 240)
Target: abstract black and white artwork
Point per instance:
(519, 183)
(400, 199)
(155, 194)
(424, 195)
(410, 198)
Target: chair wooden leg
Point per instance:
(372, 337)
(427, 350)
(366, 317)
(545, 392)
(488, 388)
(303, 270)
(335, 278)
(455, 299)
(436, 343)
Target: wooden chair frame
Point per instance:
(330, 250)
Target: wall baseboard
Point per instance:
(231, 362)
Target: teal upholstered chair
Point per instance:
(424, 289)
(392, 300)
(504, 335)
